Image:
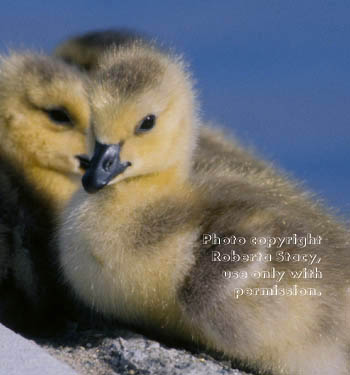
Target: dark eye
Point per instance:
(59, 115)
(146, 124)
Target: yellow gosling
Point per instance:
(137, 247)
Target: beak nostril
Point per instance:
(107, 164)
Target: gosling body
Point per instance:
(32, 300)
(134, 250)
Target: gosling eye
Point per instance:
(59, 115)
(146, 124)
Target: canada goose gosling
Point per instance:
(133, 249)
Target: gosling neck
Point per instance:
(151, 187)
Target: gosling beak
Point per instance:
(84, 161)
(104, 166)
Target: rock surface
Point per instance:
(121, 351)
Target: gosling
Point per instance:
(44, 116)
(135, 249)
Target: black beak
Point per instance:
(84, 161)
(104, 166)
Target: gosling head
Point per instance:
(144, 117)
(44, 116)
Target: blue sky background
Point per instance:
(275, 72)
